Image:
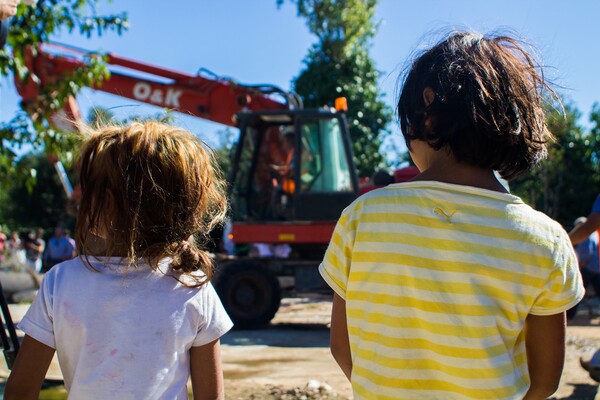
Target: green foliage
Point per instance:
(594, 136)
(33, 194)
(339, 65)
(36, 198)
(341, 26)
(565, 185)
(32, 26)
(223, 150)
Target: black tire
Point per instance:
(249, 292)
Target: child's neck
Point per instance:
(101, 247)
(448, 170)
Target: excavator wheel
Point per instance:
(249, 292)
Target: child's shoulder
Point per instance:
(393, 194)
(538, 223)
(392, 189)
(407, 192)
(64, 271)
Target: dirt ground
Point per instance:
(290, 359)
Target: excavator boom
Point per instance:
(203, 95)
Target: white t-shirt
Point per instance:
(123, 336)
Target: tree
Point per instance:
(339, 65)
(227, 141)
(36, 197)
(31, 26)
(594, 136)
(40, 202)
(565, 185)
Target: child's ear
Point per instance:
(428, 96)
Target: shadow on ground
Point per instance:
(580, 392)
(280, 335)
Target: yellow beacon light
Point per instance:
(341, 104)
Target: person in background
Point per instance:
(14, 242)
(34, 247)
(58, 249)
(71, 242)
(15, 247)
(581, 233)
(587, 256)
(8, 8)
(15, 254)
(135, 316)
(3, 247)
(447, 286)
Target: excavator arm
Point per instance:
(204, 95)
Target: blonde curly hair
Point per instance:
(146, 190)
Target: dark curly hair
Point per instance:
(489, 102)
(146, 190)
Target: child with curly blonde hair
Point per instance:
(134, 316)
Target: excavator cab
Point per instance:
(292, 165)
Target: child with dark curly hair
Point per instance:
(134, 316)
(449, 287)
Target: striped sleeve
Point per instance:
(335, 267)
(564, 287)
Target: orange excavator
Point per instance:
(292, 169)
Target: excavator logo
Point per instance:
(168, 98)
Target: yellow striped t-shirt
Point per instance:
(438, 280)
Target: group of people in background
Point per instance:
(40, 255)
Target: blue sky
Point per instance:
(254, 41)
